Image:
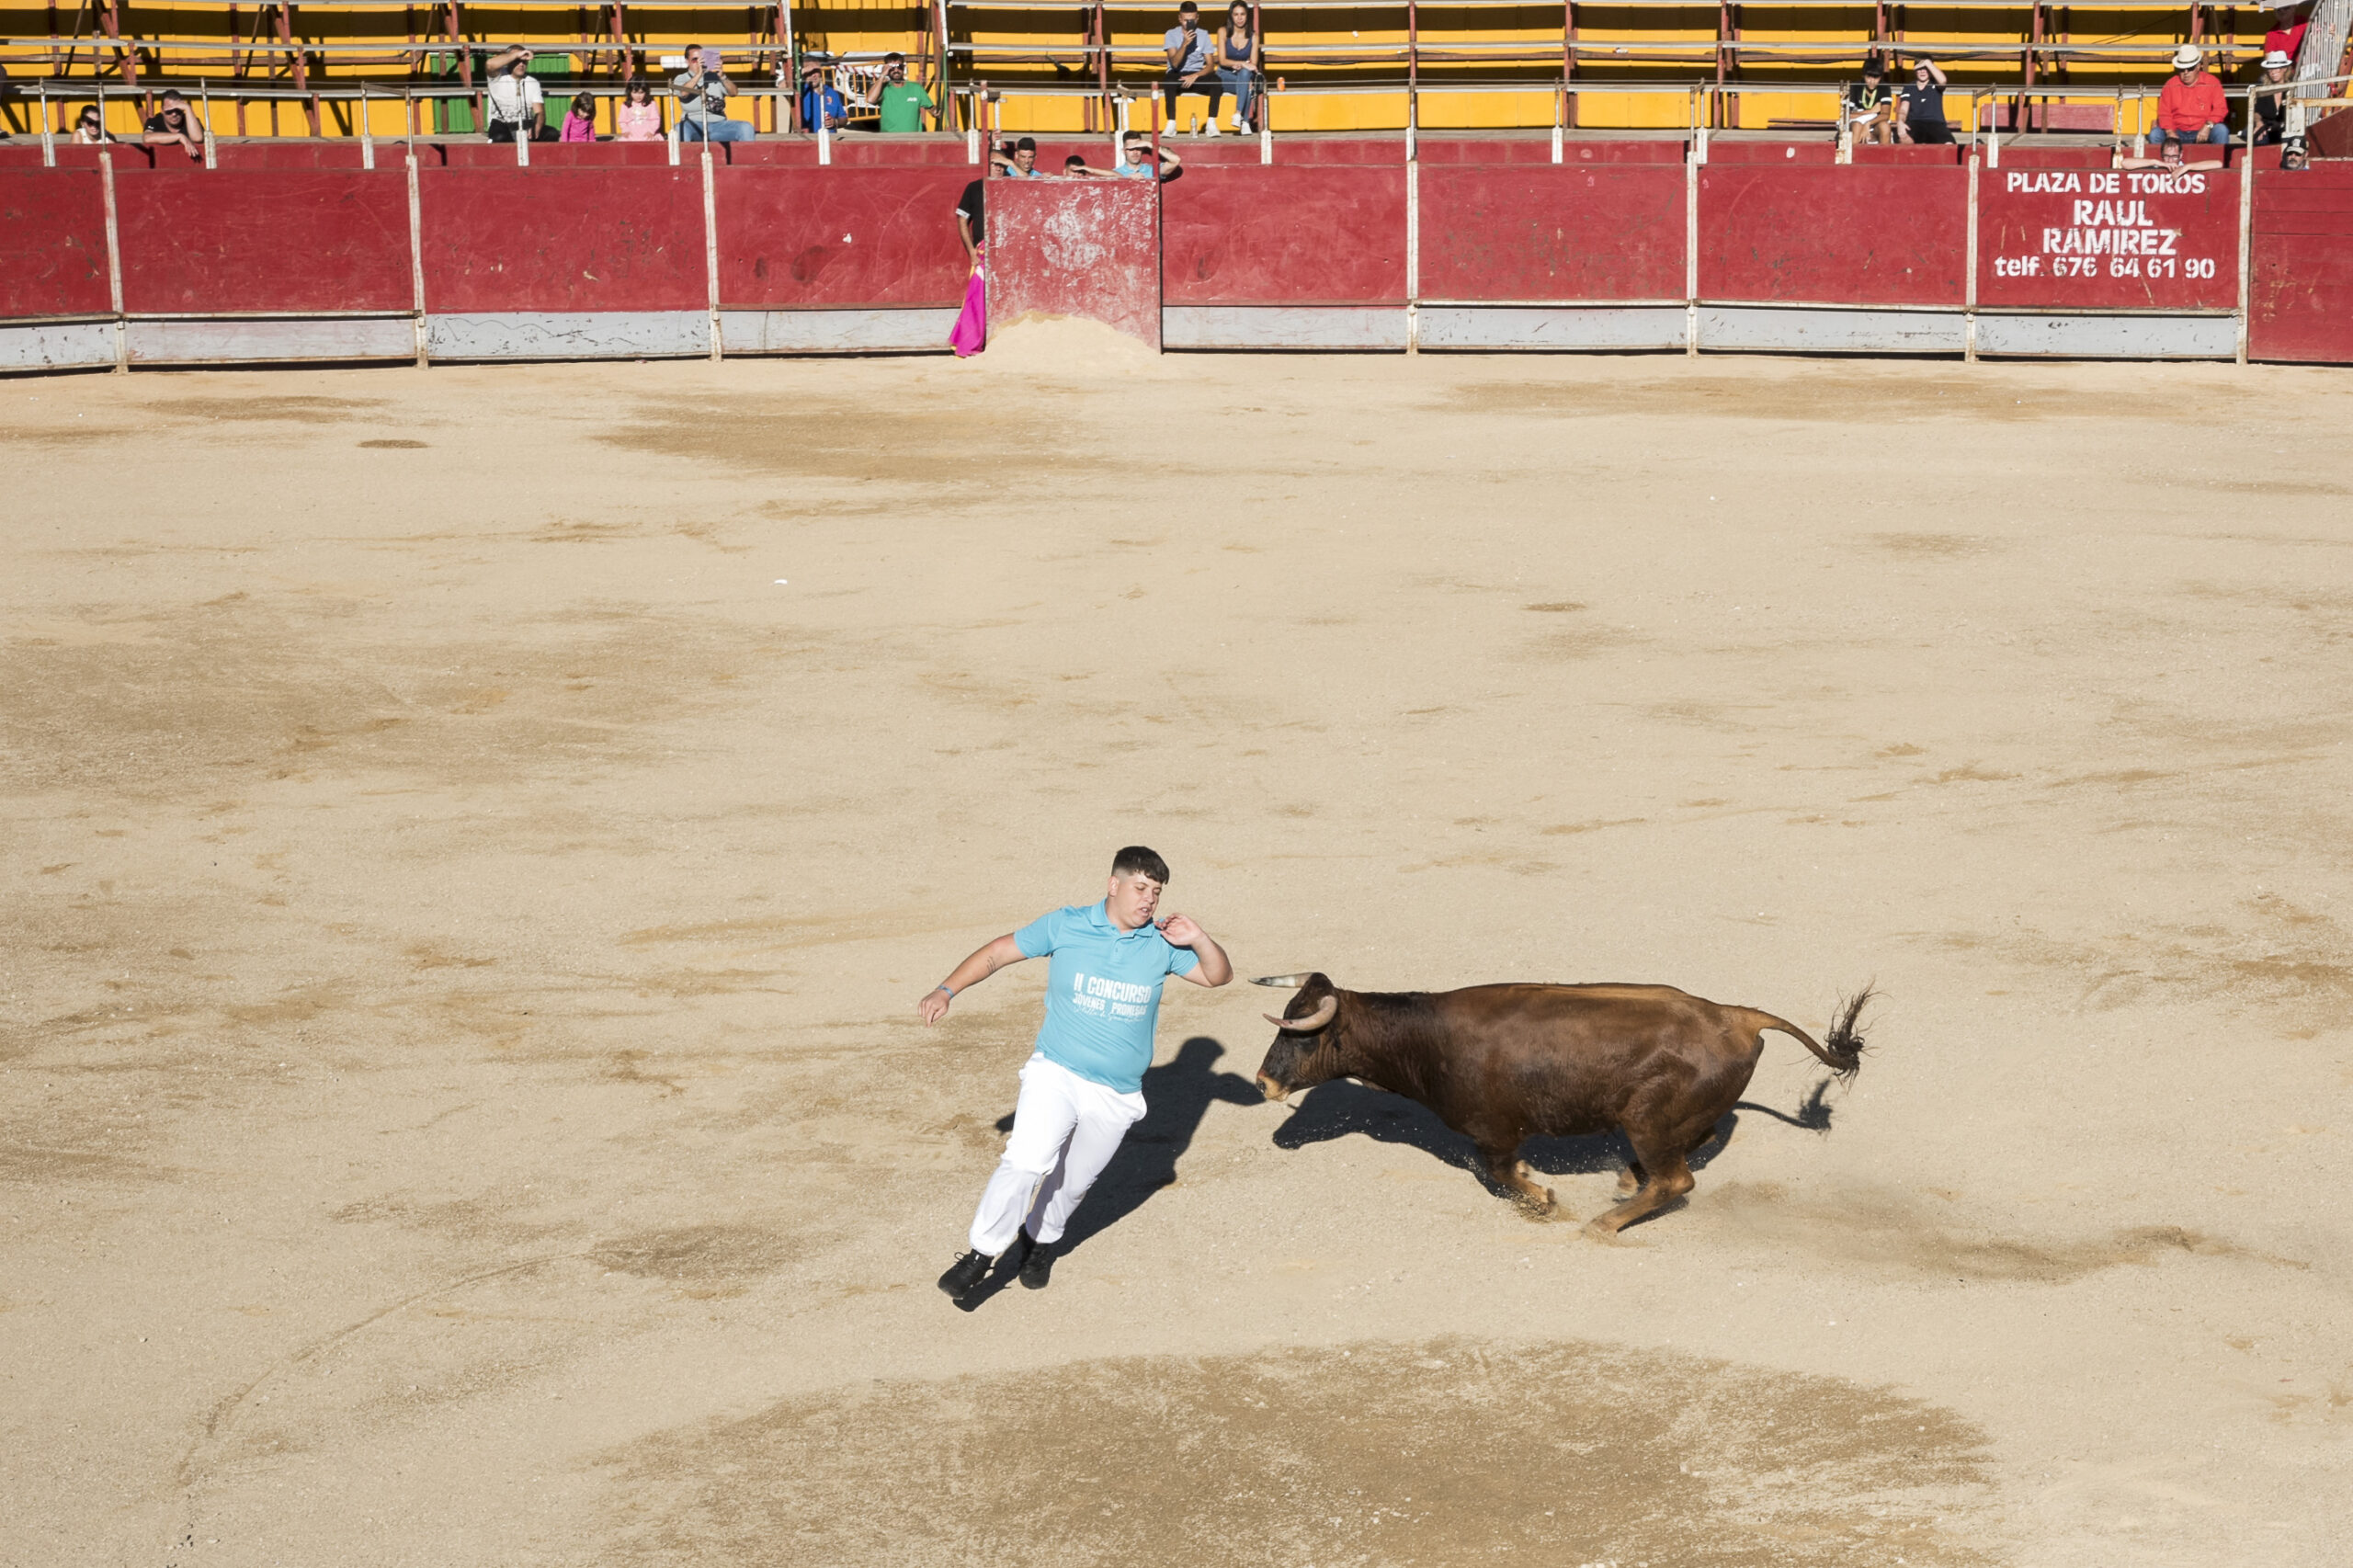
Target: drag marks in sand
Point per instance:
(1406, 1456)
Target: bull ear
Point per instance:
(1285, 982)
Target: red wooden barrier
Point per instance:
(1546, 234)
(2299, 275)
(1286, 235)
(1846, 236)
(563, 240)
(1787, 154)
(1085, 248)
(250, 240)
(53, 244)
(840, 237)
(2107, 239)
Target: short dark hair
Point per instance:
(1073, 162)
(1873, 66)
(1136, 858)
(1026, 144)
(1189, 5)
(894, 55)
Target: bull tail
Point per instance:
(1844, 1055)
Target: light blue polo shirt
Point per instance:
(1102, 992)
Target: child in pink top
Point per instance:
(580, 123)
(639, 118)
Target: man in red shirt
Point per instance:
(2192, 108)
(2289, 36)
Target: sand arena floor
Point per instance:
(475, 840)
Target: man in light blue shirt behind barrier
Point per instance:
(1083, 1087)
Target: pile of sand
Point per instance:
(1040, 345)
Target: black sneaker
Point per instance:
(965, 1275)
(1038, 1264)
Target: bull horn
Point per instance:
(1310, 1024)
(1281, 982)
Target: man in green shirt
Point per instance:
(903, 104)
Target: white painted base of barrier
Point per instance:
(1803, 329)
(570, 335)
(880, 330)
(1559, 328)
(1264, 328)
(2108, 338)
(228, 340)
(56, 346)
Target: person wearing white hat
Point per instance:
(2192, 108)
(2271, 99)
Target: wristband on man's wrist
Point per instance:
(943, 985)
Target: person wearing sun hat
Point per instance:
(2289, 36)
(2192, 108)
(2271, 99)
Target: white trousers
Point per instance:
(1065, 1129)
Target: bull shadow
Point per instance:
(1177, 1094)
(1341, 1109)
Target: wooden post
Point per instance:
(301, 67)
(416, 260)
(710, 245)
(114, 259)
(1413, 81)
(1568, 116)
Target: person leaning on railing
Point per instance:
(518, 107)
(174, 122)
(2192, 108)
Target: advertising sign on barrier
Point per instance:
(2107, 239)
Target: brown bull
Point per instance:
(1504, 1063)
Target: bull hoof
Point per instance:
(1627, 1183)
(1603, 1229)
(1532, 1209)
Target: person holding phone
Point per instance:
(1192, 57)
(901, 105)
(703, 90)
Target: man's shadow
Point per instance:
(1177, 1094)
(1341, 1109)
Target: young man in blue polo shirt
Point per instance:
(1083, 1089)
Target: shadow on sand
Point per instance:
(1342, 1108)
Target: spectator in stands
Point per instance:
(174, 122)
(1920, 108)
(2271, 99)
(1075, 165)
(638, 118)
(2169, 157)
(1018, 160)
(1191, 56)
(703, 90)
(89, 130)
(580, 121)
(517, 109)
(1135, 161)
(902, 103)
(2287, 38)
(2192, 108)
(821, 101)
(1238, 60)
(1866, 105)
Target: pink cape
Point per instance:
(971, 333)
